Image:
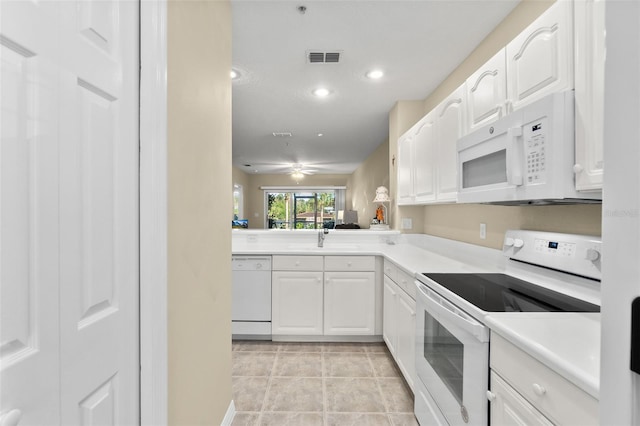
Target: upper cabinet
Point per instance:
(450, 126)
(427, 155)
(487, 92)
(540, 58)
(589, 94)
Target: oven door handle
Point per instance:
(440, 306)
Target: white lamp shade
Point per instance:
(382, 195)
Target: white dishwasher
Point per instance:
(251, 297)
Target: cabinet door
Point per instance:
(509, 408)
(405, 350)
(589, 83)
(487, 92)
(349, 303)
(424, 160)
(540, 59)
(389, 321)
(449, 128)
(296, 303)
(405, 173)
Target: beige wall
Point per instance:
(462, 221)
(199, 235)
(254, 196)
(362, 184)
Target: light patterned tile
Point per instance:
(378, 347)
(353, 395)
(397, 397)
(357, 419)
(246, 419)
(347, 365)
(403, 419)
(294, 394)
(255, 346)
(291, 419)
(252, 363)
(384, 365)
(343, 347)
(249, 392)
(301, 347)
(298, 364)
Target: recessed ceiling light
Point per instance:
(375, 74)
(320, 134)
(321, 92)
(234, 74)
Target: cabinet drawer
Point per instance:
(391, 270)
(297, 263)
(557, 398)
(349, 263)
(405, 281)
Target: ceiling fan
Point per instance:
(298, 169)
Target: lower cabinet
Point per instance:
(296, 299)
(398, 328)
(349, 303)
(525, 391)
(323, 296)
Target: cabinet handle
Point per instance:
(577, 168)
(491, 396)
(539, 390)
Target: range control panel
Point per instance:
(576, 254)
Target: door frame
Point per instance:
(153, 213)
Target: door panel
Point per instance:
(29, 336)
(69, 211)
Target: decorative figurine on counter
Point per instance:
(380, 214)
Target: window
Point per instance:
(237, 202)
(295, 209)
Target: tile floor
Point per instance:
(324, 384)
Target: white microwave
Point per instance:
(526, 157)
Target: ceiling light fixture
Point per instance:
(321, 92)
(375, 74)
(320, 134)
(234, 74)
(297, 175)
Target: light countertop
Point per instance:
(567, 343)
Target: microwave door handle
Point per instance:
(441, 307)
(514, 172)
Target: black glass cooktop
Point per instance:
(504, 293)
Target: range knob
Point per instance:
(508, 242)
(517, 243)
(592, 255)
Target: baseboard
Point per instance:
(230, 414)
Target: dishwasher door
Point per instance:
(251, 295)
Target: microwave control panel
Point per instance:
(535, 141)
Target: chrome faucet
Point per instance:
(321, 235)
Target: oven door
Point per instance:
(452, 360)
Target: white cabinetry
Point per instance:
(589, 94)
(323, 295)
(349, 295)
(522, 388)
(450, 126)
(540, 58)
(416, 155)
(427, 155)
(399, 322)
(487, 92)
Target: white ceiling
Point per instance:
(416, 43)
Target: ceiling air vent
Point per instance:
(282, 134)
(323, 57)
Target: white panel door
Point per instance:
(449, 128)
(99, 213)
(508, 407)
(70, 194)
(29, 279)
(405, 170)
(296, 303)
(349, 303)
(589, 94)
(424, 162)
(406, 349)
(389, 314)
(487, 92)
(540, 59)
